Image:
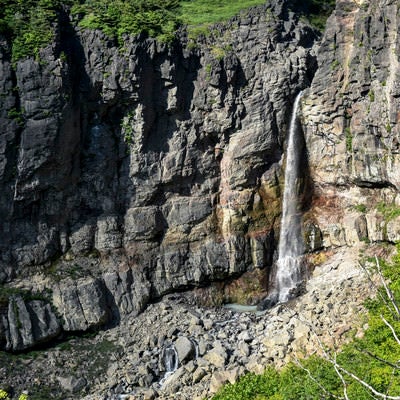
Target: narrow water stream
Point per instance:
(291, 243)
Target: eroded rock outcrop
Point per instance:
(76, 305)
(130, 172)
(28, 323)
(351, 124)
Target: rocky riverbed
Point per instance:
(213, 345)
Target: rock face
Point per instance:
(131, 172)
(28, 324)
(351, 124)
(213, 346)
(81, 304)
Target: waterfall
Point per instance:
(291, 245)
(170, 361)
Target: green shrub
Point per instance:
(158, 18)
(362, 208)
(28, 24)
(349, 140)
(371, 95)
(389, 211)
(4, 395)
(317, 11)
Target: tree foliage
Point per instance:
(31, 24)
(317, 11)
(158, 18)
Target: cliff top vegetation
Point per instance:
(30, 24)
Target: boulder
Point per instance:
(28, 324)
(393, 230)
(72, 384)
(198, 374)
(216, 356)
(184, 348)
(127, 292)
(82, 304)
(220, 378)
(283, 338)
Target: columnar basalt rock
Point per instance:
(162, 160)
(130, 173)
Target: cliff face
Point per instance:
(129, 172)
(351, 123)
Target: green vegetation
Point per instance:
(371, 95)
(362, 208)
(127, 128)
(36, 392)
(197, 13)
(317, 11)
(220, 52)
(6, 292)
(31, 24)
(389, 211)
(349, 140)
(17, 116)
(4, 396)
(372, 359)
(335, 64)
(158, 18)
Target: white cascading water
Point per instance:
(291, 244)
(170, 359)
(171, 362)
